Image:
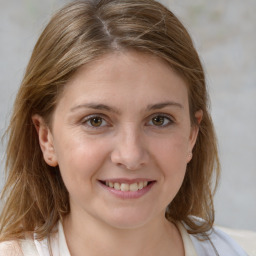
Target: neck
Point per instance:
(160, 237)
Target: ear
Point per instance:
(194, 133)
(45, 140)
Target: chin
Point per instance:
(127, 224)
(128, 220)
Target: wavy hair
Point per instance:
(82, 31)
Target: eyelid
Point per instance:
(85, 120)
(167, 116)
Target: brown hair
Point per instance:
(35, 195)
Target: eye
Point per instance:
(95, 121)
(160, 120)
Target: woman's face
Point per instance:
(121, 135)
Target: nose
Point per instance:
(129, 150)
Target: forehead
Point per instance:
(128, 76)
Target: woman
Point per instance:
(111, 147)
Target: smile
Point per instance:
(127, 187)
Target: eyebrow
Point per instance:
(97, 106)
(164, 104)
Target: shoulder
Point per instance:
(25, 247)
(219, 242)
(223, 241)
(10, 248)
(245, 238)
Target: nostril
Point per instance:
(130, 157)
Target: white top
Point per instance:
(219, 243)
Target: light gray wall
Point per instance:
(224, 32)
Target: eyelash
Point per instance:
(86, 121)
(166, 117)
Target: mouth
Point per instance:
(128, 189)
(127, 186)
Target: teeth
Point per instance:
(141, 185)
(116, 186)
(134, 187)
(124, 187)
(127, 187)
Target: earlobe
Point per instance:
(45, 140)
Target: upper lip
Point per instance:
(126, 181)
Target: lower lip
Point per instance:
(129, 194)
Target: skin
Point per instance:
(143, 131)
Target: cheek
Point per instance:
(80, 158)
(171, 149)
(171, 157)
(172, 161)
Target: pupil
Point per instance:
(158, 120)
(96, 121)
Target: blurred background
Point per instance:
(224, 33)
